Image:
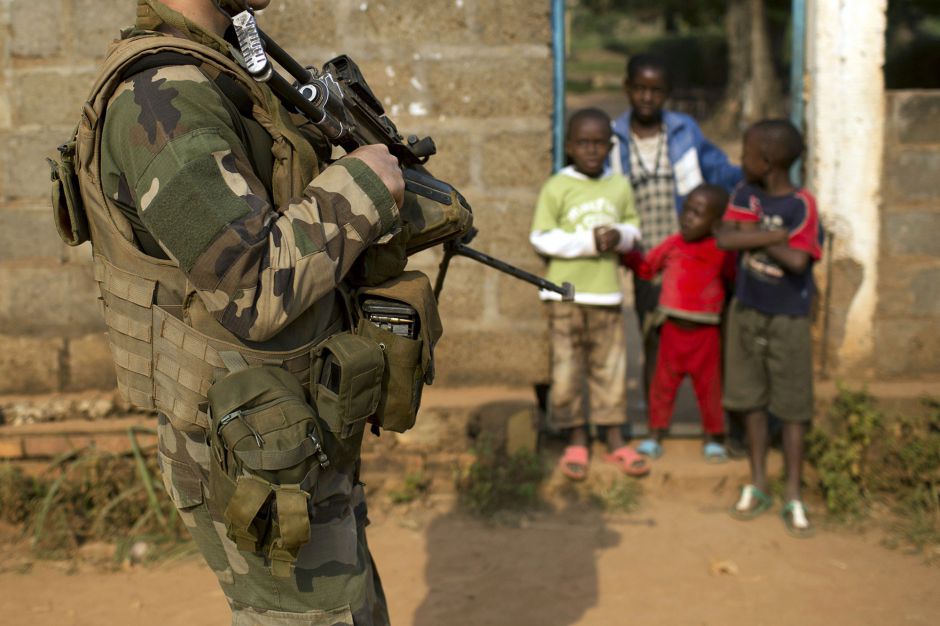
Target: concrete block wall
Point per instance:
(907, 321)
(474, 74)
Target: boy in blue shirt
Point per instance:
(768, 348)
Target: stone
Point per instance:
(529, 159)
(48, 300)
(906, 348)
(465, 88)
(90, 365)
(30, 365)
(37, 28)
(51, 96)
(23, 170)
(913, 233)
(910, 176)
(916, 117)
(492, 356)
(925, 286)
(505, 23)
(94, 29)
(28, 234)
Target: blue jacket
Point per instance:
(694, 159)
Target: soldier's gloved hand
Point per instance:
(380, 161)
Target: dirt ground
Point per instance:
(679, 559)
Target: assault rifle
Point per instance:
(340, 103)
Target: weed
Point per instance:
(416, 486)
(620, 495)
(498, 481)
(840, 454)
(861, 461)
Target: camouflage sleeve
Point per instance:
(256, 266)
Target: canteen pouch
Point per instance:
(267, 453)
(68, 212)
(346, 382)
(406, 347)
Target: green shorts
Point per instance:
(768, 364)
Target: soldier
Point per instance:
(220, 239)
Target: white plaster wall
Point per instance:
(845, 120)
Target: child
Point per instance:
(768, 354)
(694, 273)
(584, 217)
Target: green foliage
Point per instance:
(416, 486)
(621, 495)
(840, 454)
(89, 496)
(497, 481)
(18, 494)
(862, 459)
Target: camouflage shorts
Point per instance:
(335, 582)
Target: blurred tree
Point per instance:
(756, 35)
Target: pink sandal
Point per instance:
(629, 461)
(574, 457)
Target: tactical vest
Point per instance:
(164, 342)
(274, 418)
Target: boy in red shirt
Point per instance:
(693, 293)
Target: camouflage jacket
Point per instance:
(174, 162)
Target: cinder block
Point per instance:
(54, 300)
(25, 171)
(463, 297)
(45, 98)
(491, 87)
(912, 233)
(519, 301)
(89, 363)
(11, 448)
(411, 23)
(916, 117)
(28, 234)
(925, 285)
(907, 348)
(475, 356)
(37, 28)
(401, 87)
(504, 227)
(505, 23)
(298, 24)
(94, 29)
(518, 160)
(452, 163)
(910, 176)
(29, 365)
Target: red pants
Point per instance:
(688, 351)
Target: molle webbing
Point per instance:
(164, 364)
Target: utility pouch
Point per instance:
(67, 209)
(401, 317)
(267, 453)
(346, 382)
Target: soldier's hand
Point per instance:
(380, 161)
(606, 238)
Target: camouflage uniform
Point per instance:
(265, 270)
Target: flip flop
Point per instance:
(629, 462)
(797, 523)
(715, 453)
(651, 448)
(574, 457)
(752, 503)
